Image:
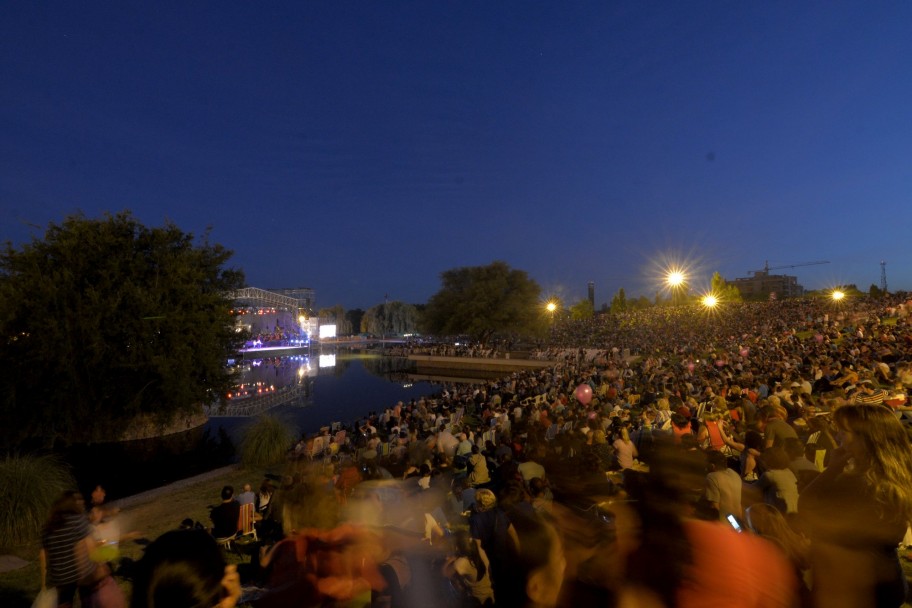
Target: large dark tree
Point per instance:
(103, 321)
(390, 319)
(482, 301)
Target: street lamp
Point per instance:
(675, 280)
(710, 301)
(551, 307)
(837, 295)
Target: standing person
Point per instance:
(857, 511)
(533, 573)
(65, 545)
(673, 561)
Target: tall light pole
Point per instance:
(675, 280)
(551, 307)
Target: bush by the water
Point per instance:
(266, 442)
(28, 487)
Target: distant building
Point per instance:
(592, 294)
(304, 295)
(766, 286)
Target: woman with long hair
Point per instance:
(625, 448)
(857, 511)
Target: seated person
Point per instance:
(225, 516)
(247, 497)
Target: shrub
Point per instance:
(266, 442)
(28, 487)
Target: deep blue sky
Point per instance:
(363, 148)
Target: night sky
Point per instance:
(363, 148)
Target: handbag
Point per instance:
(47, 598)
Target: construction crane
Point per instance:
(767, 267)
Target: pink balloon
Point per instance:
(584, 394)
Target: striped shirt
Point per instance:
(64, 564)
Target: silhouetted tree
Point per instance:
(390, 319)
(723, 290)
(105, 320)
(619, 302)
(582, 310)
(336, 314)
(484, 300)
(354, 318)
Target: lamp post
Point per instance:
(551, 307)
(675, 280)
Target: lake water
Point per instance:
(346, 387)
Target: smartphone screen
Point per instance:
(734, 522)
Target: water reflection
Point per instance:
(347, 386)
(331, 387)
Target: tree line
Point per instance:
(104, 322)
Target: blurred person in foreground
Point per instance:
(185, 569)
(857, 511)
(533, 574)
(65, 543)
(676, 561)
(65, 557)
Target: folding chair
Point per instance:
(246, 521)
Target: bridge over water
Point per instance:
(253, 406)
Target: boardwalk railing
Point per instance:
(253, 406)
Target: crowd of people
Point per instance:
(756, 456)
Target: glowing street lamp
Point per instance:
(675, 280)
(710, 301)
(837, 295)
(551, 307)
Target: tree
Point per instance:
(337, 315)
(874, 291)
(390, 319)
(354, 319)
(723, 290)
(619, 302)
(484, 300)
(106, 321)
(582, 310)
(640, 303)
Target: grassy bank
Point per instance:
(150, 514)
